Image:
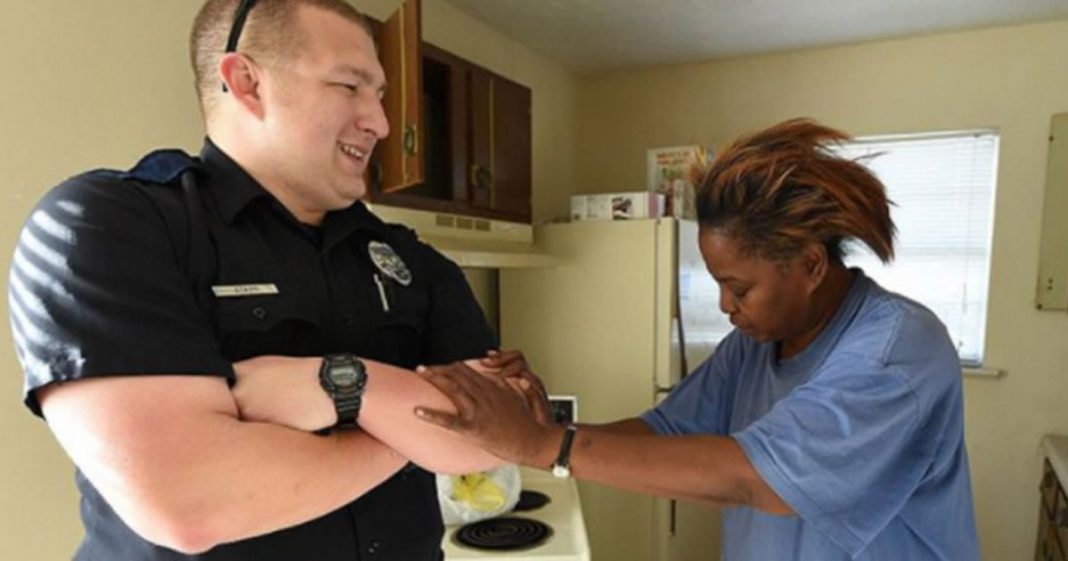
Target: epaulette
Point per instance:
(163, 167)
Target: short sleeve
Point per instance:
(456, 327)
(700, 403)
(844, 449)
(96, 288)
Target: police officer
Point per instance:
(186, 325)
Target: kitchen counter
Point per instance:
(1055, 447)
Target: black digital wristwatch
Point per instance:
(344, 378)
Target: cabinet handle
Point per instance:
(481, 176)
(410, 140)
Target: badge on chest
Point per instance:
(390, 265)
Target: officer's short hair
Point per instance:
(269, 36)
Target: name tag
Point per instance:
(239, 290)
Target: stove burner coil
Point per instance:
(531, 500)
(503, 534)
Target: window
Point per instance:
(942, 187)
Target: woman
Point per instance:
(829, 423)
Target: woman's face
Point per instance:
(766, 300)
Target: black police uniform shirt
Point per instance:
(99, 286)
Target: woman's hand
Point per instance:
(512, 366)
(491, 414)
(284, 391)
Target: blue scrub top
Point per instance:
(862, 434)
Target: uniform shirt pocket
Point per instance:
(266, 325)
(397, 336)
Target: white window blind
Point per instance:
(943, 190)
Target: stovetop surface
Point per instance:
(563, 514)
(503, 533)
(531, 500)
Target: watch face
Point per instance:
(344, 376)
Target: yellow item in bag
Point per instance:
(478, 496)
(478, 492)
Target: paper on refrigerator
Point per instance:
(671, 172)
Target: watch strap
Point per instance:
(562, 466)
(348, 408)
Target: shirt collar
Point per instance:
(339, 224)
(814, 354)
(233, 189)
(230, 185)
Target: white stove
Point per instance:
(563, 514)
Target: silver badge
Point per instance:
(389, 262)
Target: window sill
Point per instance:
(981, 372)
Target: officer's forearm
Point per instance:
(286, 391)
(170, 455)
(390, 398)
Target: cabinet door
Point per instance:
(500, 169)
(400, 156)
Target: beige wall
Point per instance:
(96, 84)
(1013, 79)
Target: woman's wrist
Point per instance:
(545, 447)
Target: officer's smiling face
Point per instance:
(324, 113)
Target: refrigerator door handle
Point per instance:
(673, 514)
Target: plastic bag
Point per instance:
(477, 496)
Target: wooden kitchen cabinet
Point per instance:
(461, 135)
(1052, 518)
(500, 133)
(399, 159)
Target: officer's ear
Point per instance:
(242, 80)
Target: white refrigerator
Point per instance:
(625, 310)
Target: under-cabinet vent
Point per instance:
(445, 225)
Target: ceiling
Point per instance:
(595, 36)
